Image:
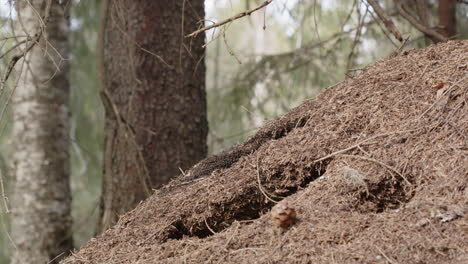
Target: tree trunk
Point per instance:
(153, 82)
(41, 220)
(447, 20)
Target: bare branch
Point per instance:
(240, 15)
(16, 58)
(388, 22)
(431, 33)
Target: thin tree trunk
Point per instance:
(423, 13)
(153, 82)
(41, 220)
(447, 19)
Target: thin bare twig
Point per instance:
(315, 21)
(4, 197)
(35, 39)
(385, 256)
(260, 183)
(14, 47)
(231, 52)
(357, 38)
(380, 163)
(432, 34)
(388, 22)
(240, 15)
(209, 228)
(365, 141)
(443, 94)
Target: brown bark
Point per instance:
(41, 220)
(447, 19)
(428, 32)
(154, 96)
(386, 19)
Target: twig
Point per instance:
(405, 41)
(384, 31)
(209, 228)
(443, 94)
(315, 21)
(132, 41)
(8, 100)
(240, 15)
(35, 39)
(14, 47)
(12, 37)
(342, 151)
(56, 257)
(357, 38)
(432, 34)
(388, 22)
(122, 122)
(6, 230)
(360, 143)
(385, 256)
(13, 62)
(231, 52)
(4, 197)
(417, 81)
(260, 184)
(380, 163)
(232, 236)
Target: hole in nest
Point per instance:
(389, 193)
(290, 127)
(178, 231)
(241, 208)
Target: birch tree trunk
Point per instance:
(41, 220)
(153, 82)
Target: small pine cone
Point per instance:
(283, 214)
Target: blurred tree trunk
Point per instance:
(153, 90)
(41, 220)
(447, 19)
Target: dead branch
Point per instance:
(3, 194)
(431, 33)
(14, 47)
(388, 22)
(365, 141)
(34, 40)
(380, 163)
(240, 15)
(260, 183)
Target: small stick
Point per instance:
(443, 94)
(240, 15)
(385, 256)
(431, 33)
(360, 143)
(343, 150)
(209, 228)
(378, 162)
(35, 40)
(4, 197)
(260, 184)
(388, 22)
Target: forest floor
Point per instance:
(375, 167)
